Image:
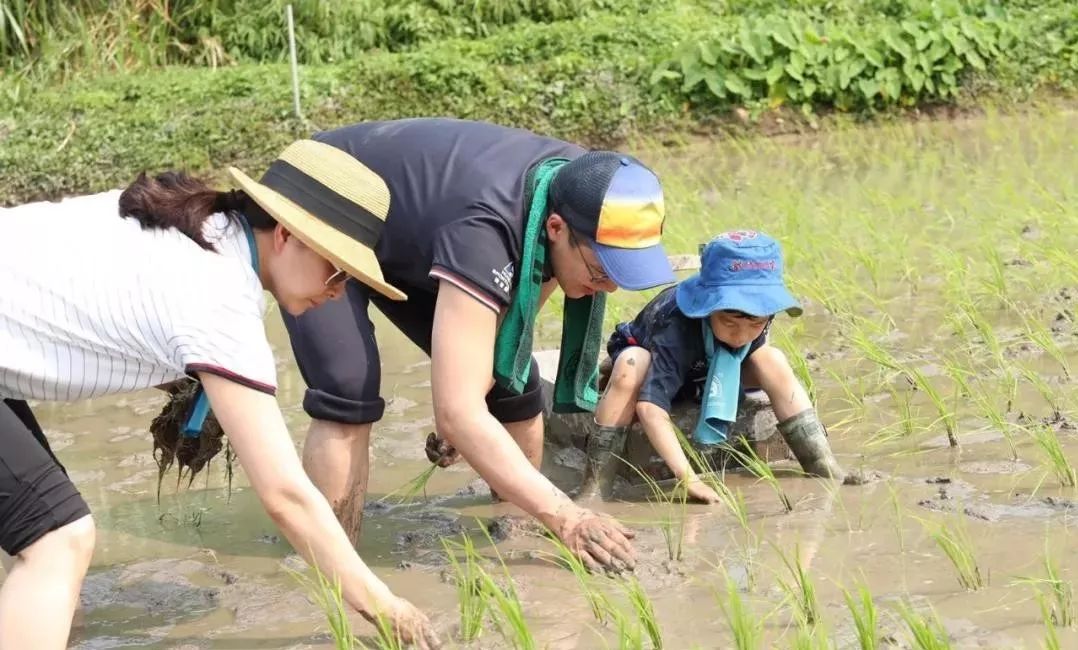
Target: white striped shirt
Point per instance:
(92, 304)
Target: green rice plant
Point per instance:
(1060, 610)
(856, 400)
(984, 329)
(925, 633)
(1041, 385)
(784, 340)
(673, 506)
(1055, 459)
(865, 617)
(995, 416)
(747, 457)
(746, 627)
(734, 501)
(630, 634)
(956, 544)
(947, 415)
(996, 282)
(800, 589)
(1051, 637)
(597, 600)
(508, 610)
(468, 576)
(900, 516)
(409, 490)
(329, 597)
(509, 613)
(645, 612)
(1041, 336)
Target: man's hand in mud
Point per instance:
(407, 623)
(601, 542)
(440, 452)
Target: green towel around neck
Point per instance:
(576, 386)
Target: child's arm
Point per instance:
(660, 431)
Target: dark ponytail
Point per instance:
(176, 200)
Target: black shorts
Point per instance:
(36, 496)
(337, 354)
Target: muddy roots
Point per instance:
(190, 455)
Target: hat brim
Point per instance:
(343, 251)
(698, 300)
(636, 269)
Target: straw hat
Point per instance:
(332, 202)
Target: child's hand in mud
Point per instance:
(701, 492)
(408, 623)
(601, 542)
(440, 452)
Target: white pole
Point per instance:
(295, 67)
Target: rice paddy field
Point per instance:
(936, 261)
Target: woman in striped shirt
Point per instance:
(92, 304)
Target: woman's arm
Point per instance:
(257, 431)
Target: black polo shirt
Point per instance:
(457, 199)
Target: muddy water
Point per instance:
(201, 571)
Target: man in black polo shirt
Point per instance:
(454, 242)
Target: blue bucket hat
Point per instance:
(739, 270)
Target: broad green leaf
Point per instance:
(917, 80)
(707, 55)
(869, 88)
(894, 39)
(755, 73)
(774, 73)
(714, 83)
(975, 59)
(663, 74)
(748, 44)
(809, 89)
(783, 35)
(796, 67)
(738, 86)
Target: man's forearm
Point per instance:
(491, 452)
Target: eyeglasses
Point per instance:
(597, 276)
(338, 277)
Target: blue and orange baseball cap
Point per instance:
(617, 202)
(739, 270)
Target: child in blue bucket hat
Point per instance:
(706, 339)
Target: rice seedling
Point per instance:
(995, 417)
(673, 506)
(1055, 459)
(925, 633)
(1041, 336)
(329, 597)
(468, 576)
(947, 415)
(645, 612)
(747, 457)
(1051, 637)
(508, 610)
(745, 626)
(865, 617)
(597, 600)
(1060, 611)
(509, 613)
(800, 589)
(733, 500)
(996, 282)
(956, 544)
(409, 490)
(855, 399)
(1041, 385)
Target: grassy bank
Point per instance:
(598, 76)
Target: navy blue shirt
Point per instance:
(679, 362)
(456, 209)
